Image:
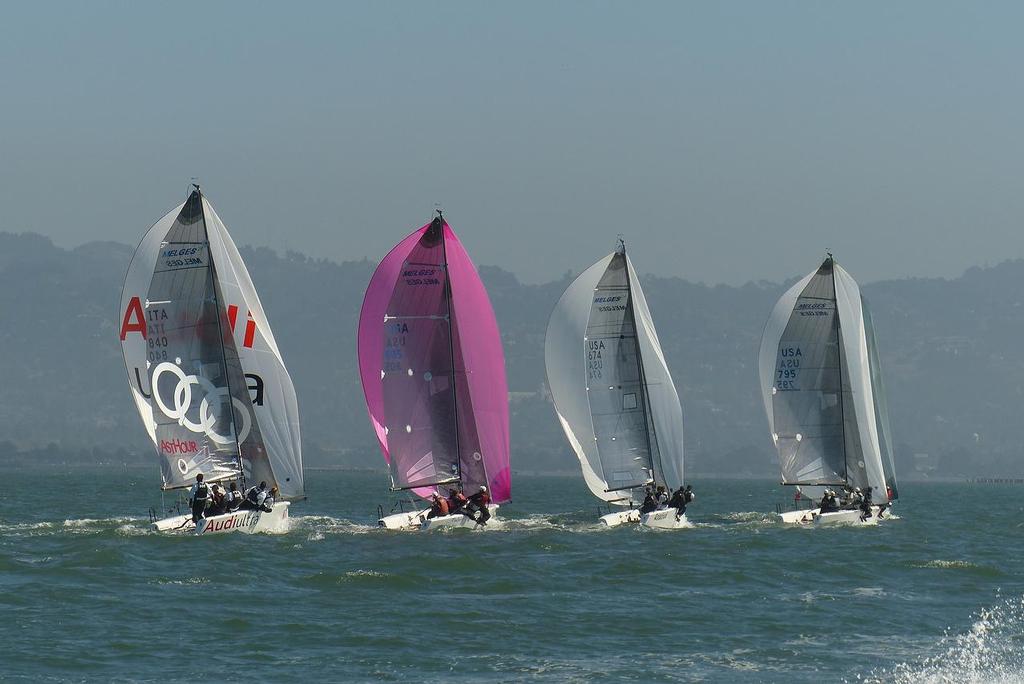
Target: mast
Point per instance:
(439, 221)
(648, 421)
(220, 337)
(839, 350)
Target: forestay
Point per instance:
(433, 369)
(192, 321)
(816, 382)
(612, 390)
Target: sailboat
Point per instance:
(204, 369)
(613, 392)
(824, 397)
(433, 373)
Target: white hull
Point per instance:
(814, 516)
(628, 516)
(665, 519)
(244, 521)
(418, 520)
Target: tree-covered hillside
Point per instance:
(950, 348)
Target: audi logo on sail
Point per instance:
(182, 401)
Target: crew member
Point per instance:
(662, 496)
(865, 504)
(478, 502)
(456, 501)
(199, 497)
(680, 498)
(254, 497)
(218, 504)
(438, 506)
(233, 499)
(650, 502)
(828, 502)
(267, 504)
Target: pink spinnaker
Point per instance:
(429, 431)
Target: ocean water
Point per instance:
(88, 593)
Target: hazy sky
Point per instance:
(728, 141)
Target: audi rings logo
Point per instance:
(183, 403)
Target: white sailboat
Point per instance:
(205, 371)
(613, 392)
(824, 398)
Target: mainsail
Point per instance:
(433, 369)
(207, 379)
(820, 384)
(611, 387)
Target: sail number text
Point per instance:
(595, 362)
(788, 369)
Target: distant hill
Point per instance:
(951, 350)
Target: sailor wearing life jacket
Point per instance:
(255, 496)
(233, 498)
(199, 496)
(479, 502)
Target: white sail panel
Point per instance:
(885, 438)
(858, 365)
(273, 394)
(565, 363)
(133, 317)
(770, 338)
(666, 410)
(618, 398)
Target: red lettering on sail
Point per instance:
(250, 331)
(133, 319)
(250, 326)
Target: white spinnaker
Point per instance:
(666, 410)
(770, 338)
(278, 415)
(565, 362)
(133, 344)
(858, 365)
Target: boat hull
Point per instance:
(626, 517)
(418, 521)
(665, 519)
(814, 516)
(244, 521)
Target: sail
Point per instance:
(880, 396)
(816, 383)
(170, 280)
(433, 369)
(271, 393)
(612, 391)
(186, 358)
(865, 466)
(666, 412)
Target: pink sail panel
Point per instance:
(479, 352)
(405, 364)
(372, 330)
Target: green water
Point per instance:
(88, 593)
